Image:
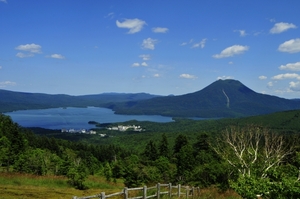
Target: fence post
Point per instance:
(193, 192)
(170, 190)
(179, 186)
(102, 195)
(187, 192)
(125, 193)
(198, 191)
(158, 191)
(145, 192)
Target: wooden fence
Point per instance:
(159, 190)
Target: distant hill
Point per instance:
(223, 98)
(11, 101)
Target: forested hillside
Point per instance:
(12, 101)
(237, 153)
(222, 98)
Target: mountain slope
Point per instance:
(11, 101)
(223, 98)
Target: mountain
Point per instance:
(11, 101)
(222, 98)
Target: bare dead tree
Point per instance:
(252, 149)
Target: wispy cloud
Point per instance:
(225, 77)
(291, 66)
(281, 27)
(7, 83)
(149, 43)
(23, 55)
(242, 32)
(231, 51)
(30, 50)
(144, 64)
(136, 64)
(290, 46)
(262, 77)
(270, 84)
(110, 15)
(187, 76)
(294, 86)
(160, 30)
(33, 48)
(134, 25)
(286, 76)
(4, 1)
(145, 57)
(186, 43)
(56, 56)
(156, 75)
(200, 44)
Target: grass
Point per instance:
(26, 186)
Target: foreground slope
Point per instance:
(223, 98)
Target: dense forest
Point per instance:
(255, 155)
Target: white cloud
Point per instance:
(156, 75)
(242, 32)
(270, 84)
(281, 27)
(149, 43)
(225, 77)
(291, 46)
(0, 67)
(231, 51)
(295, 86)
(200, 44)
(57, 56)
(262, 77)
(134, 25)
(4, 1)
(33, 48)
(145, 57)
(185, 43)
(135, 64)
(110, 15)
(286, 76)
(291, 66)
(187, 76)
(230, 62)
(7, 83)
(144, 64)
(160, 30)
(23, 55)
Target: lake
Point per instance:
(75, 118)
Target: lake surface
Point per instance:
(75, 118)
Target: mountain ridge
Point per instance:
(222, 98)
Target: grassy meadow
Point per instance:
(26, 186)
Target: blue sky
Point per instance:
(165, 47)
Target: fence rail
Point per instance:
(171, 191)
